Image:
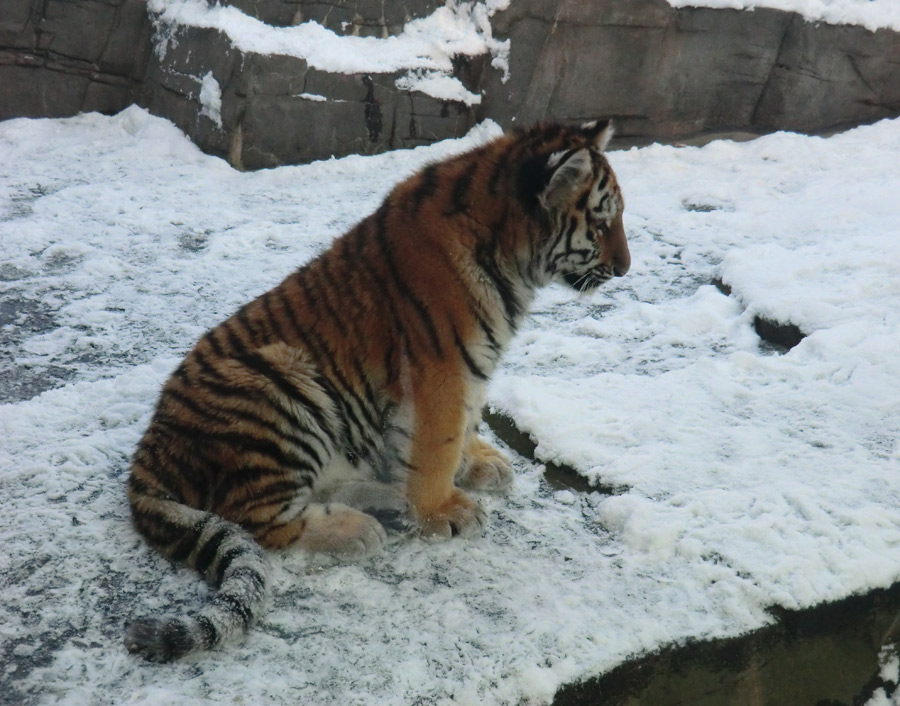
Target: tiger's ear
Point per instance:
(599, 132)
(570, 170)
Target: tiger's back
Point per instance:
(344, 402)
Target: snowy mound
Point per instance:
(753, 479)
(871, 14)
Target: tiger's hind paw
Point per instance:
(340, 530)
(486, 469)
(458, 516)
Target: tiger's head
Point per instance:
(573, 191)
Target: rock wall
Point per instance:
(61, 57)
(666, 73)
(279, 110)
(661, 73)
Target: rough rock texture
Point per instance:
(666, 73)
(662, 73)
(61, 57)
(279, 110)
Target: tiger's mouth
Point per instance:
(587, 281)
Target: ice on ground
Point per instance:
(754, 479)
(871, 14)
(424, 51)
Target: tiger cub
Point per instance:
(346, 400)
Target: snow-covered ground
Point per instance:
(872, 14)
(754, 479)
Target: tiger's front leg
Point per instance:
(436, 451)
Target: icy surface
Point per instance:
(872, 14)
(424, 51)
(755, 478)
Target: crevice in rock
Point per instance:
(558, 476)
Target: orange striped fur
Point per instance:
(344, 403)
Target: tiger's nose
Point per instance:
(617, 244)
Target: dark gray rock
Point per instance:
(61, 57)
(661, 73)
(667, 74)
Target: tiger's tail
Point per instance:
(223, 553)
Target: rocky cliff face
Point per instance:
(662, 73)
(61, 57)
(670, 73)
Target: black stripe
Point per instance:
(205, 366)
(460, 190)
(581, 204)
(188, 541)
(250, 417)
(325, 290)
(470, 364)
(235, 606)
(213, 342)
(263, 447)
(426, 188)
(226, 560)
(251, 575)
(244, 320)
(255, 398)
(499, 168)
(328, 356)
(603, 181)
(208, 551)
(209, 631)
(172, 473)
(405, 291)
(260, 365)
(278, 493)
(385, 295)
(273, 320)
(501, 284)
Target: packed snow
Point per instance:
(871, 14)
(750, 478)
(211, 98)
(889, 693)
(424, 51)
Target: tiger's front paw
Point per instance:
(458, 516)
(485, 468)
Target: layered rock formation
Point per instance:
(663, 73)
(61, 57)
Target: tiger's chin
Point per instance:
(586, 281)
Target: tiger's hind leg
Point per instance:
(484, 468)
(330, 528)
(385, 502)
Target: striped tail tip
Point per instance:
(162, 639)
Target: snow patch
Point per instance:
(211, 99)
(871, 14)
(753, 479)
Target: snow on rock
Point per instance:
(424, 50)
(871, 14)
(754, 479)
(211, 98)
